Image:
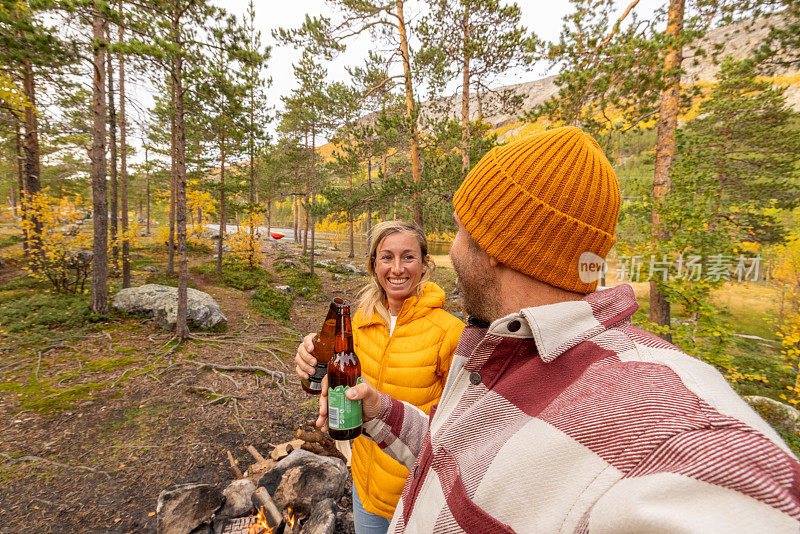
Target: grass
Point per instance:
(42, 312)
(8, 240)
(272, 303)
(302, 282)
(25, 281)
(166, 279)
(234, 274)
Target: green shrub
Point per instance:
(41, 311)
(267, 301)
(234, 274)
(8, 240)
(303, 282)
(26, 281)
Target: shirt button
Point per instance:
(513, 326)
(475, 378)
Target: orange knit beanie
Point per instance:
(545, 205)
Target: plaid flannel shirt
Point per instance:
(567, 418)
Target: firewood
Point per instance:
(262, 500)
(234, 466)
(255, 454)
(314, 436)
(316, 448)
(283, 450)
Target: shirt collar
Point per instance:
(556, 328)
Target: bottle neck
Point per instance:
(343, 339)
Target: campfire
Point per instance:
(291, 491)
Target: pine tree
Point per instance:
(475, 40)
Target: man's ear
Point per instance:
(494, 262)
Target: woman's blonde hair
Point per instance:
(372, 297)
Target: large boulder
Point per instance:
(161, 303)
(238, 498)
(779, 415)
(322, 519)
(184, 508)
(303, 479)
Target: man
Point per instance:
(558, 414)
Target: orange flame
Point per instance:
(261, 526)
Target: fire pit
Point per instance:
(303, 493)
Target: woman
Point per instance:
(405, 343)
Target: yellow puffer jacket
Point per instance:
(412, 366)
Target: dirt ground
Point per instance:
(148, 418)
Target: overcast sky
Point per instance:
(543, 17)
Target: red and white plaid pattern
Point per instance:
(567, 418)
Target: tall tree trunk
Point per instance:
(181, 325)
(99, 200)
(112, 142)
(416, 167)
(123, 168)
(665, 151)
(369, 206)
(252, 150)
(21, 183)
(147, 186)
(465, 82)
(352, 253)
(222, 215)
(296, 214)
(199, 174)
(313, 192)
(269, 217)
(33, 184)
(172, 184)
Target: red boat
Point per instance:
(275, 235)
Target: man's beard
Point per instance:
(480, 290)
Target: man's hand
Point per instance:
(304, 358)
(365, 392)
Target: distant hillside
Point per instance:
(736, 39)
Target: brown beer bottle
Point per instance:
(344, 371)
(323, 351)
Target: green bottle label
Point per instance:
(343, 413)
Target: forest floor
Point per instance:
(100, 414)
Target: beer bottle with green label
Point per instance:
(323, 351)
(344, 372)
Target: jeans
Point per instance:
(365, 522)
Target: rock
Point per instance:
(776, 413)
(238, 497)
(349, 267)
(69, 230)
(150, 268)
(284, 289)
(339, 277)
(186, 507)
(303, 478)
(326, 263)
(161, 303)
(322, 519)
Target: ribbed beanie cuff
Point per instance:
(540, 204)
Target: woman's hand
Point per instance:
(304, 358)
(365, 392)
